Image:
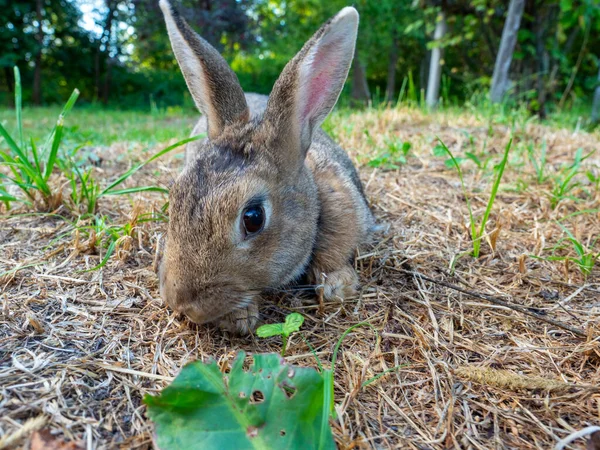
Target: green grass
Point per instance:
(393, 156)
(38, 172)
(566, 181)
(94, 126)
(30, 167)
(477, 233)
(585, 258)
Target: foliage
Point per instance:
(30, 169)
(37, 174)
(538, 163)
(585, 258)
(564, 182)
(477, 233)
(292, 323)
(118, 52)
(394, 156)
(256, 406)
(271, 405)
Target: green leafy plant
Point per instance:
(594, 179)
(31, 168)
(393, 156)
(271, 405)
(480, 158)
(292, 323)
(585, 259)
(477, 233)
(564, 182)
(84, 188)
(538, 162)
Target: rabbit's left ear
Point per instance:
(213, 85)
(310, 84)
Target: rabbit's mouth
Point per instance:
(202, 303)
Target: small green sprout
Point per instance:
(477, 233)
(292, 323)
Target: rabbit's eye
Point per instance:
(253, 219)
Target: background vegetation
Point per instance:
(116, 52)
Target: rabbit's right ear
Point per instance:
(309, 86)
(214, 86)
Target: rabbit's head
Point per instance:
(243, 215)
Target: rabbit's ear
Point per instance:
(310, 84)
(213, 85)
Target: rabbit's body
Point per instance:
(268, 196)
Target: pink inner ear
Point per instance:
(321, 75)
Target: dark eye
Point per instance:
(253, 219)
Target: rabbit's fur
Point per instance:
(265, 154)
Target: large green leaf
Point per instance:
(273, 405)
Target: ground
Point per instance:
(79, 350)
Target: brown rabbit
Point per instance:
(268, 196)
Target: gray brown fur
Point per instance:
(309, 188)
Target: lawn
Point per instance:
(498, 351)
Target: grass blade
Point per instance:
(135, 190)
(13, 146)
(109, 251)
(68, 106)
(6, 197)
(54, 151)
(18, 104)
(34, 152)
(133, 170)
(474, 236)
(495, 187)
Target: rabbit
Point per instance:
(267, 197)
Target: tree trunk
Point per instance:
(552, 84)
(541, 63)
(596, 103)
(507, 47)
(107, 34)
(37, 75)
(391, 75)
(360, 88)
(424, 70)
(435, 67)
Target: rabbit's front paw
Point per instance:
(241, 321)
(339, 284)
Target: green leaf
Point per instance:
(270, 329)
(272, 405)
(293, 322)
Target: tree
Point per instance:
(360, 88)
(596, 102)
(37, 77)
(390, 90)
(435, 66)
(507, 47)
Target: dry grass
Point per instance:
(79, 350)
